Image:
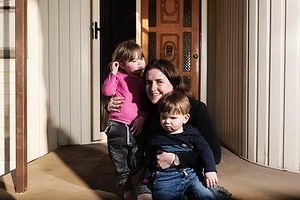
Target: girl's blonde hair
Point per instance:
(174, 103)
(125, 52)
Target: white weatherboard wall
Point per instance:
(7, 115)
(58, 73)
(58, 81)
(7, 87)
(265, 113)
(274, 49)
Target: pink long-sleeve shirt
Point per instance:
(129, 87)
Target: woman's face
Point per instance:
(157, 84)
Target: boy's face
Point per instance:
(136, 66)
(173, 122)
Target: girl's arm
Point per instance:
(110, 85)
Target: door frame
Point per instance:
(98, 134)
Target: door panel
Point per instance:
(170, 30)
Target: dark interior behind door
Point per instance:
(117, 23)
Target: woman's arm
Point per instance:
(201, 119)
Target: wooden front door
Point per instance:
(171, 30)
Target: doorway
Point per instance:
(116, 22)
(170, 29)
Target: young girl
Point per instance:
(125, 80)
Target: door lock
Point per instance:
(195, 56)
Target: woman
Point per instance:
(162, 77)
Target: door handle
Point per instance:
(95, 29)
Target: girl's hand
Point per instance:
(114, 67)
(211, 179)
(114, 104)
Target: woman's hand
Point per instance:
(137, 125)
(211, 179)
(165, 159)
(114, 104)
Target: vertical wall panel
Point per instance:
(85, 67)
(292, 88)
(43, 63)
(229, 93)
(74, 72)
(69, 72)
(270, 77)
(36, 97)
(75, 79)
(64, 72)
(252, 84)
(244, 42)
(277, 58)
(263, 81)
(7, 116)
(53, 93)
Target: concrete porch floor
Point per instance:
(84, 172)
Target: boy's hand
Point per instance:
(211, 179)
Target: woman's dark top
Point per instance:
(199, 118)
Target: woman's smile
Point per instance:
(157, 84)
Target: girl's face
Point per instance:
(136, 66)
(157, 84)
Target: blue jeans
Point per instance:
(124, 152)
(174, 184)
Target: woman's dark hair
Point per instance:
(171, 72)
